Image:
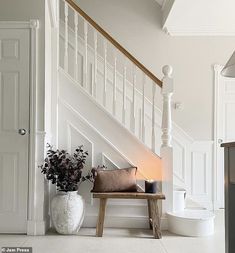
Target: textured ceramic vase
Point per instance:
(67, 212)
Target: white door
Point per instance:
(225, 128)
(14, 126)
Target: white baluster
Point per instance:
(114, 84)
(66, 37)
(92, 82)
(153, 116)
(166, 148)
(85, 55)
(105, 73)
(140, 123)
(133, 118)
(143, 108)
(124, 95)
(76, 46)
(95, 64)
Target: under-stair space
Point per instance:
(75, 105)
(121, 112)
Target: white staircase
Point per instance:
(109, 101)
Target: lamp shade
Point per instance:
(229, 69)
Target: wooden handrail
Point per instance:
(114, 42)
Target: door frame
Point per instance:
(217, 70)
(35, 212)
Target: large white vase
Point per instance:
(67, 212)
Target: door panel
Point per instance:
(9, 162)
(14, 115)
(9, 87)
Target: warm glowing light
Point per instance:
(150, 171)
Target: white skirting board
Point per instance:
(36, 227)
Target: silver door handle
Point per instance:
(220, 141)
(22, 131)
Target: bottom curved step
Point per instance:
(191, 222)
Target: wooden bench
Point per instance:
(153, 212)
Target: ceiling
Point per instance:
(201, 18)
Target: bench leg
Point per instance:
(150, 215)
(100, 221)
(155, 219)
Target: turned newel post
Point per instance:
(166, 147)
(167, 91)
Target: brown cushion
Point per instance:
(118, 180)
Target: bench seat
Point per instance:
(152, 198)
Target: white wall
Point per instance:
(136, 24)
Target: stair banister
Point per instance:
(166, 148)
(114, 42)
